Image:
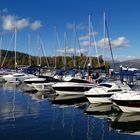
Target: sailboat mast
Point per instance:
(55, 59)
(0, 47)
(107, 32)
(74, 45)
(90, 58)
(104, 35)
(15, 43)
(29, 39)
(39, 48)
(65, 61)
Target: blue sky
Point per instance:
(41, 17)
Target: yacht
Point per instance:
(72, 87)
(44, 80)
(29, 82)
(17, 77)
(128, 101)
(102, 92)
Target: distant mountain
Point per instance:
(134, 63)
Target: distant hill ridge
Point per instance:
(23, 59)
(132, 63)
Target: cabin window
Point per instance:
(106, 85)
(114, 90)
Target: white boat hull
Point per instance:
(129, 109)
(17, 77)
(103, 92)
(69, 93)
(128, 101)
(93, 100)
(71, 88)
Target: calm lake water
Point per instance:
(30, 116)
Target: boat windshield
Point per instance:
(78, 81)
(106, 85)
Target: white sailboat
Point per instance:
(16, 77)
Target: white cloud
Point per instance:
(86, 43)
(120, 42)
(86, 37)
(70, 51)
(79, 26)
(11, 22)
(36, 25)
(102, 43)
(22, 23)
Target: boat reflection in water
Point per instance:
(127, 123)
(97, 116)
(39, 96)
(99, 109)
(69, 99)
(11, 86)
(11, 107)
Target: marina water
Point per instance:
(33, 116)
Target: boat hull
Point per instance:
(103, 98)
(69, 92)
(71, 88)
(128, 105)
(29, 82)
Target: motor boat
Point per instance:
(102, 92)
(17, 77)
(127, 101)
(72, 86)
(41, 79)
(29, 82)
